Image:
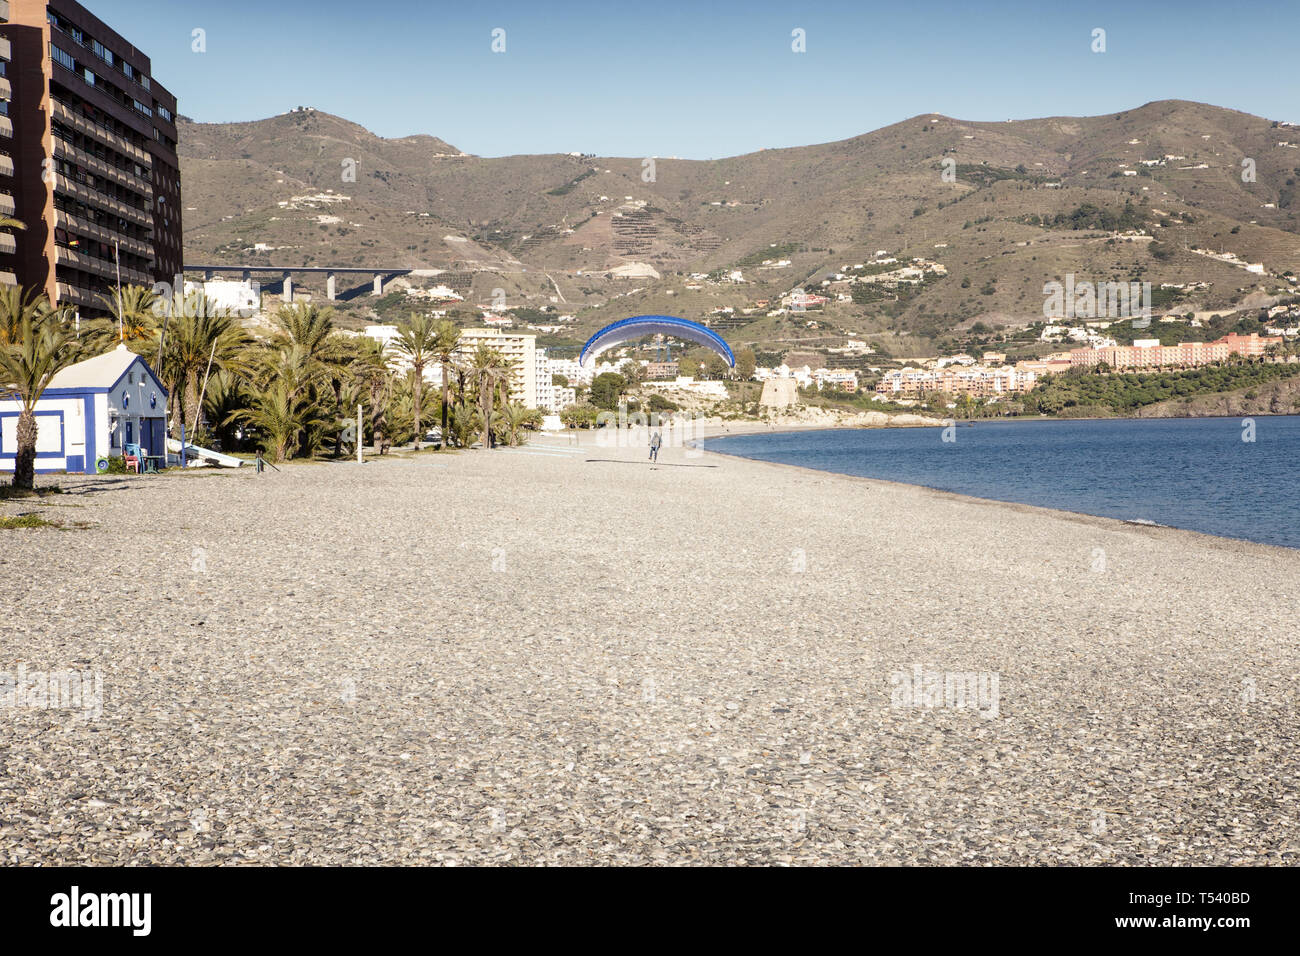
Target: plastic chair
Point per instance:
(133, 463)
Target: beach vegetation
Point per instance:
(34, 347)
(1124, 393)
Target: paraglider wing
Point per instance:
(638, 326)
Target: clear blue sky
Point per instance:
(702, 80)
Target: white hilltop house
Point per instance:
(90, 411)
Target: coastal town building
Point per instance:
(802, 375)
(90, 166)
(975, 380)
(242, 297)
(840, 379)
(551, 397)
(520, 351)
(1149, 353)
(572, 370)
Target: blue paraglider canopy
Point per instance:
(638, 326)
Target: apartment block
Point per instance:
(973, 380)
(91, 139)
(519, 350)
(1149, 353)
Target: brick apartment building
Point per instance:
(87, 157)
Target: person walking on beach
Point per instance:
(655, 441)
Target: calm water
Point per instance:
(1187, 473)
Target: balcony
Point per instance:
(6, 89)
(68, 257)
(85, 227)
(6, 204)
(8, 244)
(76, 295)
(6, 127)
(6, 165)
(94, 197)
(6, 53)
(102, 133)
(106, 169)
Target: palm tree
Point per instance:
(464, 423)
(369, 371)
(281, 417)
(133, 307)
(225, 396)
(446, 342)
(308, 326)
(35, 347)
(489, 369)
(513, 418)
(200, 335)
(417, 339)
(327, 355)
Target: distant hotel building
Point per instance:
(87, 157)
(973, 380)
(1149, 353)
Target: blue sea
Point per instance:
(1198, 474)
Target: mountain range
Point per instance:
(1004, 207)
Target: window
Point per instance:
(165, 113)
(144, 81)
(62, 58)
(103, 52)
(89, 77)
(141, 108)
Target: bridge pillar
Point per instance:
(246, 275)
(207, 275)
(288, 288)
(379, 285)
(331, 287)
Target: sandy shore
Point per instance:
(561, 654)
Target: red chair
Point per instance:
(133, 464)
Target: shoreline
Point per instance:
(1065, 512)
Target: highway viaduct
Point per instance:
(286, 274)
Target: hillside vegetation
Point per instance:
(1003, 207)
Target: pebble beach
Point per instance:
(563, 654)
